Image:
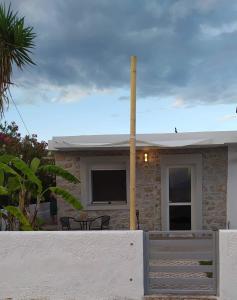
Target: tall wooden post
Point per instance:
(133, 144)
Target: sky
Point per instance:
(186, 66)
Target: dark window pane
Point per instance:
(180, 217)
(108, 185)
(179, 185)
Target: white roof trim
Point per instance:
(170, 140)
(182, 143)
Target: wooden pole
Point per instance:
(133, 144)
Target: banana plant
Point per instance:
(21, 182)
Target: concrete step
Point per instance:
(179, 297)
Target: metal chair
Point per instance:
(138, 219)
(104, 223)
(65, 223)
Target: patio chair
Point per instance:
(104, 223)
(138, 219)
(65, 223)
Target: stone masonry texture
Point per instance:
(148, 188)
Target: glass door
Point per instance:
(180, 198)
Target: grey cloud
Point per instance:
(123, 98)
(88, 43)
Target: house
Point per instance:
(184, 181)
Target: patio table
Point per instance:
(85, 223)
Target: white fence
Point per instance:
(228, 264)
(71, 265)
(108, 265)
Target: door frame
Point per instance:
(194, 161)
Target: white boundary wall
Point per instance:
(71, 265)
(228, 264)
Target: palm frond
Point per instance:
(1, 177)
(8, 170)
(69, 198)
(56, 170)
(3, 190)
(15, 212)
(20, 165)
(16, 43)
(6, 158)
(34, 164)
(13, 184)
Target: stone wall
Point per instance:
(214, 171)
(215, 168)
(71, 162)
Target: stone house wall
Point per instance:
(214, 186)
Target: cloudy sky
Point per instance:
(186, 72)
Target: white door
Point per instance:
(181, 197)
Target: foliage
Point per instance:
(67, 196)
(3, 191)
(21, 181)
(16, 43)
(13, 143)
(26, 148)
(15, 212)
(207, 263)
(52, 169)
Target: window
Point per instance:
(108, 186)
(104, 182)
(179, 185)
(180, 198)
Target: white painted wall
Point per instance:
(232, 187)
(228, 264)
(71, 265)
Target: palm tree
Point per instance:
(16, 43)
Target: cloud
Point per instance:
(227, 118)
(186, 49)
(123, 98)
(178, 103)
(210, 31)
(45, 92)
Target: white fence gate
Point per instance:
(180, 262)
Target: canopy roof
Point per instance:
(156, 140)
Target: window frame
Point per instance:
(102, 163)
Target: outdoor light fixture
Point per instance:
(145, 157)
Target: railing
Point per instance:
(180, 262)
